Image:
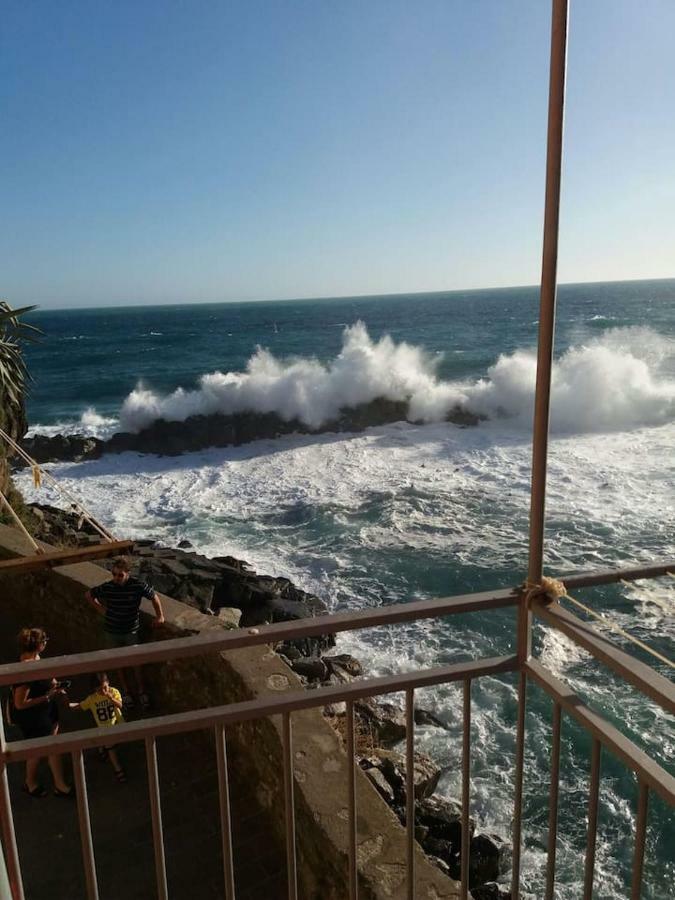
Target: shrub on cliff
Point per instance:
(14, 379)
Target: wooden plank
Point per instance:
(65, 557)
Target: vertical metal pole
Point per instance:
(593, 792)
(410, 789)
(85, 826)
(7, 820)
(640, 834)
(225, 822)
(553, 802)
(156, 816)
(556, 102)
(351, 794)
(518, 792)
(291, 866)
(466, 788)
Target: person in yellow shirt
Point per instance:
(105, 705)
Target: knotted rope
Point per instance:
(554, 590)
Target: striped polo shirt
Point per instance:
(122, 603)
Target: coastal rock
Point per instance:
(490, 857)
(443, 819)
(385, 721)
(66, 447)
(169, 438)
(491, 891)
(394, 767)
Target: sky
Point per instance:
(168, 151)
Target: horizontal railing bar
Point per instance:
(659, 689)
(175, 648)
(610, 576)
(246, 710)
(660, 781)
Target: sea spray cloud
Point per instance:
(306, 389)
(612, 382)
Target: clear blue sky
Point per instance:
(165, 151)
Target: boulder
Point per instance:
(489, 857)
(66, 447)
(385, 720)
(491, 891)
(425, 775)
(443, 818)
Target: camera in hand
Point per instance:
(63, 685)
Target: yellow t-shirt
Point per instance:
(102, 708)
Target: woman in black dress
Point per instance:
(36, 712)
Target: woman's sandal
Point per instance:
(121, 776)
(69, 793)
(38, 791)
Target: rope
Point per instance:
(555, 590)
(8, 506)
(39, 473)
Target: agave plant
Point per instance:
(14, 375)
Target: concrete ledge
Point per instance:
(54, 600)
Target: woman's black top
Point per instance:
(38, 720)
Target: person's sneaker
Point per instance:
(128, 702)
(144, 700)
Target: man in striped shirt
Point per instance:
(119, 601)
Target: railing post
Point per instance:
(593, 794)
(553, 801)
(85, 826)
(351, 794)
(291, 862)
(12, 872)
(410, 789)
(549, 267)
(466, 789)
(640, 835)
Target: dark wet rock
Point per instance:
(424, 717)
(490, 857)
(342, 668)
(199, 432)
(491, 891)
(66, 447)
(385, 720)
(184, 544)
(313, 667)
(443, 818)
(425, 776)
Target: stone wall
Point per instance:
(54, 600)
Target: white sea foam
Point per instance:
(90, 423)
(612, 382)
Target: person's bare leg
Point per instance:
(32, 766)
(56, 765)
(115, 760)
(122, 677)
(138, 675)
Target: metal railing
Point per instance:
(651, 777)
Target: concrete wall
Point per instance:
(54, 599)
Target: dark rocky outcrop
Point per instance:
(66, 447)
(168, 438)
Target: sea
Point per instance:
(416, 509)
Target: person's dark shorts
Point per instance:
(38, 726)
(115, 641)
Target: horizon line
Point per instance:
(327, 297)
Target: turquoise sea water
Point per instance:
(419, 509)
